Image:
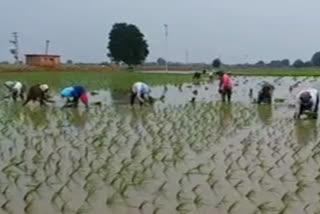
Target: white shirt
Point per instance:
(313, 93)
(140, 89)
(14, 86)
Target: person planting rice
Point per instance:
(142, 92)
(211, 76)
(196, 76)
(307, 102)
(73, 95)
(38, 92)
(16, 89)
(251, 93)
(225, 86)
(265, 93)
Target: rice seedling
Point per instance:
(172, 157)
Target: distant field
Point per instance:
(115, 81)
(314, 71)
(92, 68)
(276, 71)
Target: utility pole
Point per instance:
(15, 50)
(47, 47)
(166, 34)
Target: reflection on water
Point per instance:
(37, 117)
(206, 157)
(78, 118)
(306, 131)
(265, 113)
(119, 98)
(226, 115)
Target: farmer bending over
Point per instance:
(16, 89)
(196, 76)
(265, 93)
(211, 75)
(142, 92)
(38, 92)
(73, 94)
(225, 86)
(307, 101)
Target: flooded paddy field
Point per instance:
(178, 156)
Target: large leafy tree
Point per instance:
(127, 44)
(216, 63)
(161, 61)
(298, 63)
(316, 59)
(285, 62)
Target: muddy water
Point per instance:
(177, 157)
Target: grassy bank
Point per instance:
(91, 68)
(121, 80)
(118, 81)
(276, 71)
(262, 71)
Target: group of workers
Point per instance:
(39, 92)
(73, 94)
(307, 101)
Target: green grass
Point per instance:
(109, 78)
(115, 81)
(276, 71)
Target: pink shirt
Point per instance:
(226, 82)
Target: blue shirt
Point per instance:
(67, 92)
(75, 91)
(78, 91)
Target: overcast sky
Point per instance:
(236, 31)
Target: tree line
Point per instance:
(313, 62)
(127, 45)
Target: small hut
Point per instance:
(43, 60)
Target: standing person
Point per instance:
(73, 94)
(141, 91)
(265, 93)
(225, 86)
(16, 88)
(38, 92)
(307, 100)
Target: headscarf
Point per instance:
(44, 87)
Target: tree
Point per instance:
(161, 61)
(316, 59)
(4, 63)
(127, 44)
(216, 63)
(298, 63)
(69, 62)
(275, 63)
(308, 64)
(285, 62)
(260, 63)
(104, 63)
